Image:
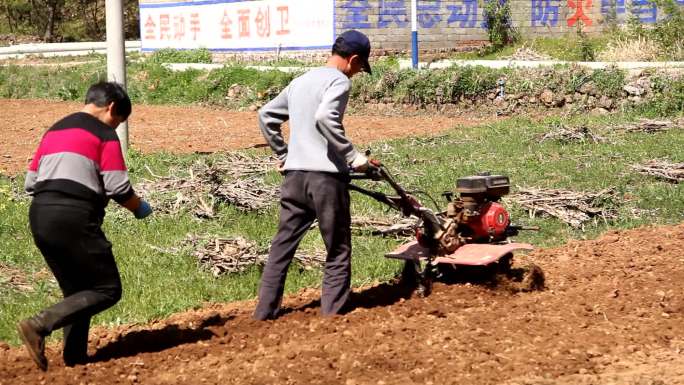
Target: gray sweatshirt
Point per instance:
(314, 103)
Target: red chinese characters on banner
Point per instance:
(284, 11)
(243, 20)
(194, 25)
(263, 22)
(225, 26)
(150, 29)
(178, 27)
(579, 6)
(164, 26)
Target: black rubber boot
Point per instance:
(34, 341)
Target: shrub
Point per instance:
(577, 78)
(609, 80)
(668, 32)
(668, 98)
(498, 21)
(586, 48)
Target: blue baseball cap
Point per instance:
(353, 42)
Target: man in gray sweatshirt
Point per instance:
(316, 164)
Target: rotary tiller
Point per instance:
(471, 235)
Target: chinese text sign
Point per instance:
(238, 25)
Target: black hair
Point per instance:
(103, 93)
(341, 49)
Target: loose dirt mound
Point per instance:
(612, 313)
(189, 129)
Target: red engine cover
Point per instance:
(493, 220)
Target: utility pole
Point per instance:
(414, 33)
(116, 59)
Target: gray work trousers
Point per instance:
(306, 196)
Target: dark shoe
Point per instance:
(34, 342)
(71, 361)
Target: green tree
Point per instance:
(499, 23)
(64, 20)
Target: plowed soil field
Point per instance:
(612, 313)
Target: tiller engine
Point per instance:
(473, 231)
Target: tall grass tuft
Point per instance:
(630, 49)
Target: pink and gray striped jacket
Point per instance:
(80, 157)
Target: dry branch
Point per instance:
(671, 172)
(397, 226)
(564, 134)
(235, 179)
(651, 125)
(233, 255)
(574, 208)
(225, 255)
(250, 194)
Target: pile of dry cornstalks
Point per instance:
(652, 126)
(662, 169)
(573, 208)
(224, 255)
(235, 179)
(563, 134)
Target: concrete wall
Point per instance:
(448, 24)
(451, 24)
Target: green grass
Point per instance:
(148, 82)
(170, 55)
(157, 284)
(236, 86)
(61, 59)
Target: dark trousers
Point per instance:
(80, 257)
(306, 196)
